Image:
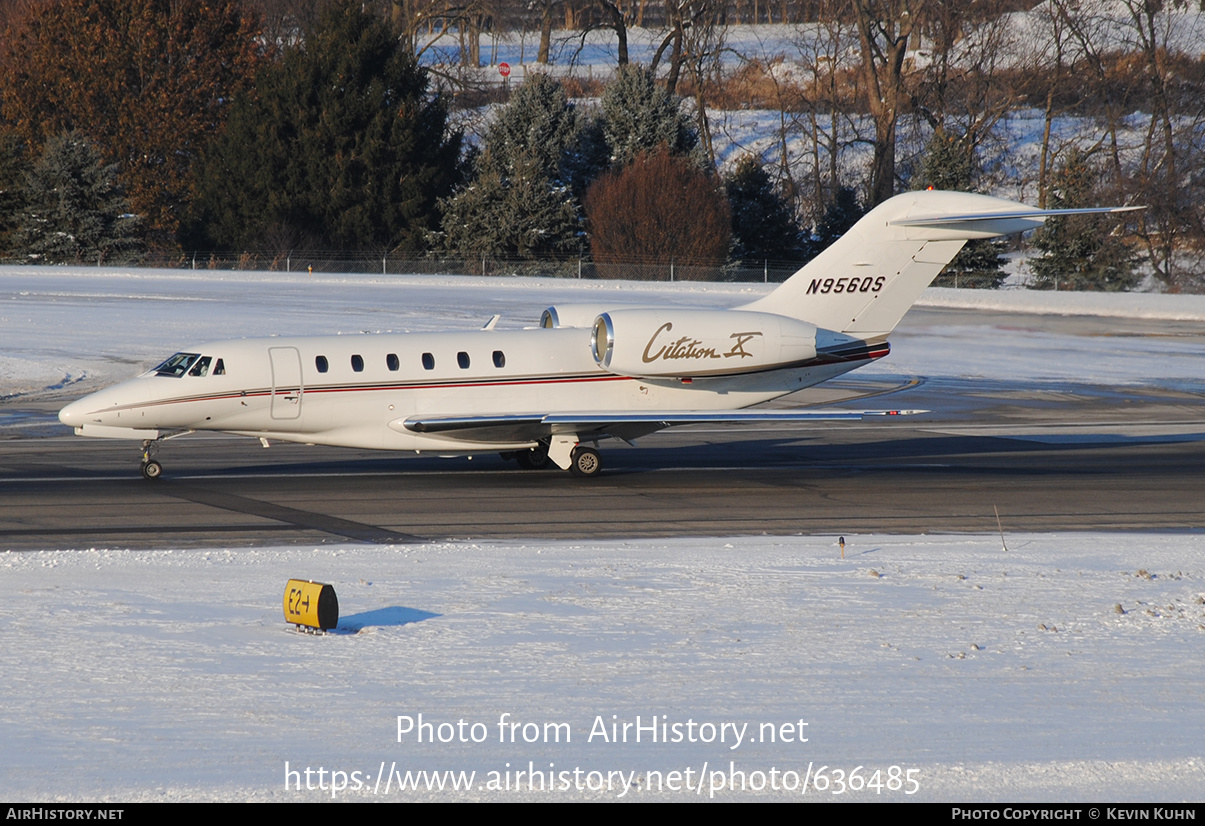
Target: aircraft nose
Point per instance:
(73, 414)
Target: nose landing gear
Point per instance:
(151, 469)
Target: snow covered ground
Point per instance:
(66, 331)
(1026, 38)
(1067, 667)
(981, 674)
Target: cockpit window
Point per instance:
(201, 368)
(177, 365)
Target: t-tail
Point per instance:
(864, 282)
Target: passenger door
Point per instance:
(287, 387)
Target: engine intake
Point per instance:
(577, 315)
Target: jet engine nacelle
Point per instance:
(687, 343)
(578, 315)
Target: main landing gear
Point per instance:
(583, 462)
(534, 459)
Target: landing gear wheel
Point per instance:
(585, 462)
(534, 459)
(151, 470)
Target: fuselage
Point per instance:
(358, 390)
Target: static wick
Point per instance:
(1000, 528)
(841, 542)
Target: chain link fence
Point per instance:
(329, 261)
(631, 269)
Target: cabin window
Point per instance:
(499, 359)
(462, 358)
(322, 364)
(428, 361)
(201, 368)
(219, 369)
(357, 363)
(177, 365)
(391, 361)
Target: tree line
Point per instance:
(150, 126)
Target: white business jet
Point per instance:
(588, 373)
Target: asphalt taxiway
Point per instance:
(1049, 457)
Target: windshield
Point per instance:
(177, 365)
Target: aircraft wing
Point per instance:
(624, 425)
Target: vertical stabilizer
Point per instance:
(864, 283)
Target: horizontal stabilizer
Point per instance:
(1028, 213)
(991, 224)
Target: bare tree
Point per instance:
(420, 24)
(884, 29)
(1159, 176)
(608, 15)
(695, 42)
(813, 100)
(544, 11)
(824, 53)
(1090, 28)
(1052, 65)
(964, 90)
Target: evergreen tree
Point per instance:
(762, 225)
(639, 116)
(1078, 252)
(341, 146)
(842, 213)
(74, 210)
(949, 164)
(520, 204)
(539, 123)
(519, 214)
(13, 173)
(589, 157)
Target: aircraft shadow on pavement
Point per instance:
(987, 453)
